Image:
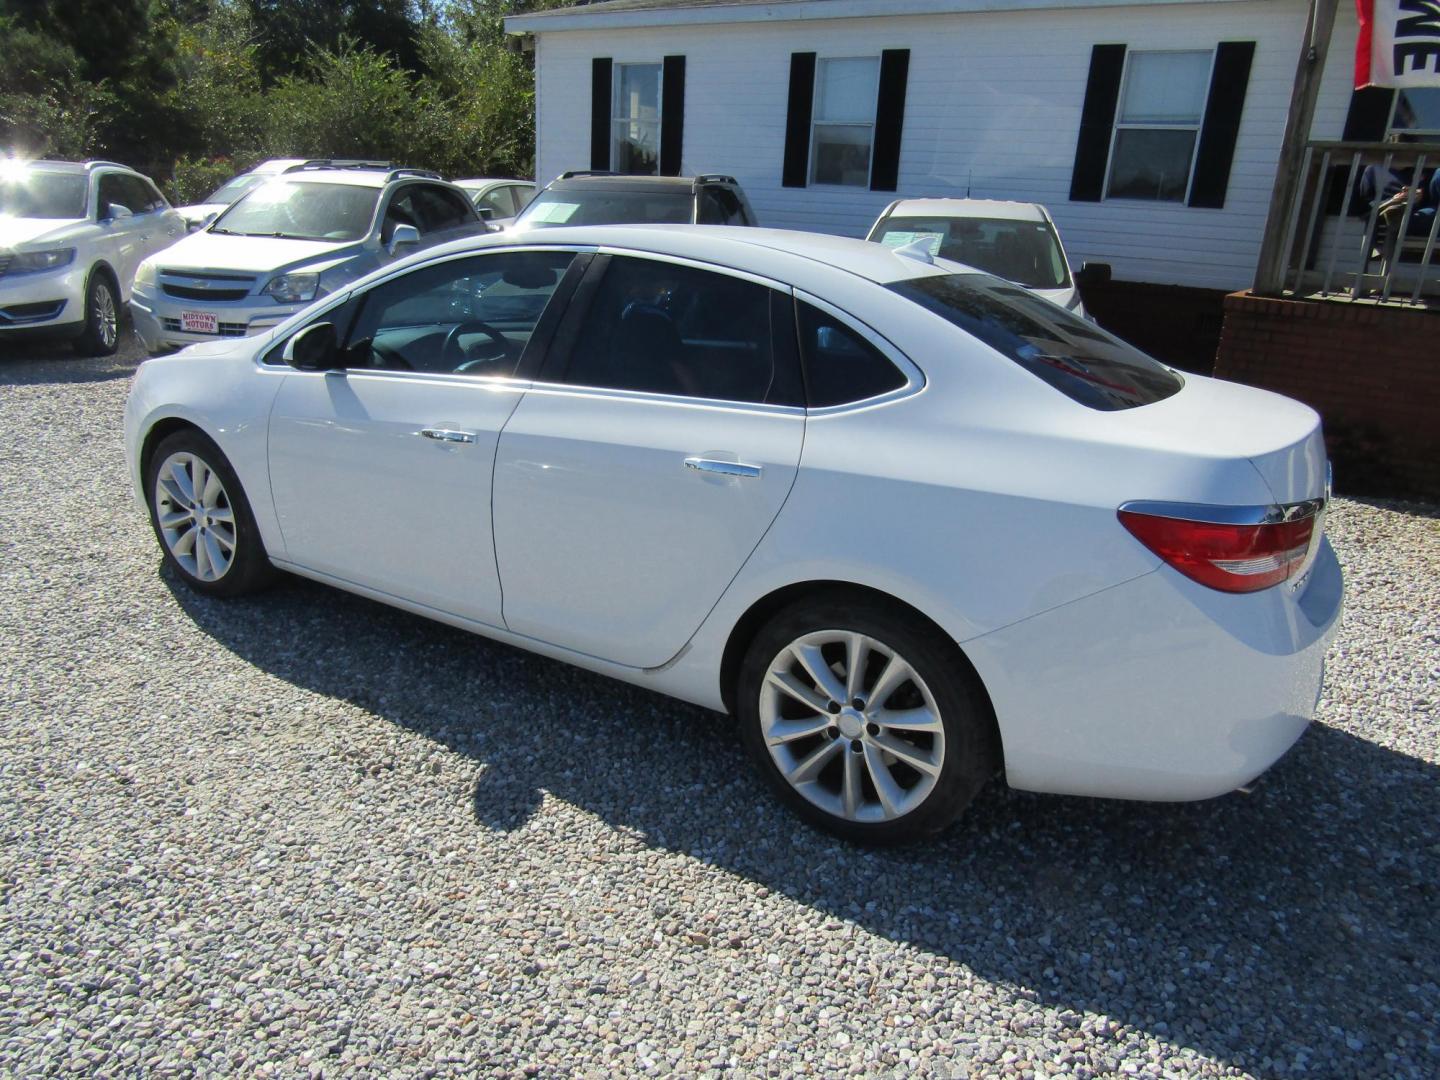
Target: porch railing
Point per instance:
(1338, 245)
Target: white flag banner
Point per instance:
(1399, 43)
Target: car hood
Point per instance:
(200, 211)
(17, 232)
(209, 252)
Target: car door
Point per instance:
(124, 233)
(380, 470)
(160, 225)
(634, 480)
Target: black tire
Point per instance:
(101, 335)
(969, 754)
(249, 568)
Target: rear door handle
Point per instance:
(723, 468)
(447, 435)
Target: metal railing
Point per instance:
(1337, 245)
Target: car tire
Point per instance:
(101, 333)
(838, 763)
(208, 536)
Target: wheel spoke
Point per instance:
(787, 682)
(783, 731)
(174, 519)
(921, 719)
(185, 543)
(202, 556)
(210, 489)
(816, 760)
(181, 477)
(913, 756)
(222, 515)
(897, 672)
(226, 541)
(891, 794)
(857, 654)
(815, 666)
(214, 556)
(852, 791)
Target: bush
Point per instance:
(195, 178)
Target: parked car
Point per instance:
(498, 201)
(71, 237)
(297, 237)
(909, 522)
(198, 215)
(601, 198)
(1013, 240)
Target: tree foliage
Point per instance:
(192, 91)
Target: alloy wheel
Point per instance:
(851, 726)
(102, 308)
(196, 519)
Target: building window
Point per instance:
(635, 119)
(843, 129)
(1162, 105)
(1416, 115)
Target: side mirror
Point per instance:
(116, 212)
(312, 349)
(196, 224)
(404, 236)
(1093, 273)
(487, 213)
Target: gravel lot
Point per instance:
(307, 835)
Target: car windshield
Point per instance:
(1025, 252)
(1082, 361)
(302, 211)
(233, 188)
(608, 206)
(36, 193)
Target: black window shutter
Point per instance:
(672, 116)
(1216, 153)
(1097, 120)
(600, 112)
(797, 119)
(889, 119)
(1369, 114)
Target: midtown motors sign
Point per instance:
(1399, 43)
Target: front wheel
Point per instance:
(202, 518)
(101, 334)
(865, 723)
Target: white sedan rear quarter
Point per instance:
(908, 522)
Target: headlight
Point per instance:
(145, 273)
(30, 262)
(293, 288)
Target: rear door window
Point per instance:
(840, 365)
(1081, 361)
(719, 206)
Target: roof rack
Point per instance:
(715, 178)
(428, 174)
(569, 174)
(107, 165)
(341, 163)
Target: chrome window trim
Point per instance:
(644, 397)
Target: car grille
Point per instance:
(212, 287)
(226, 329)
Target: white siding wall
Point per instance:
(993, 106)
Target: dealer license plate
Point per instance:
(199, 322)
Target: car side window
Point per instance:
(662, 328)
(152, 194)
(840, 365)
(133, 194)
(401, 210)
(469, 316)
(522, 194)
(111, 193)
(719, 206)
(439, 208)
(498, 199)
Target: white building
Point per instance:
(1151, 131)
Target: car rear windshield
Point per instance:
(1080, 360)
(233, 188)
(302, 211)
(601, 206)
(35, 193)
(1025, 252)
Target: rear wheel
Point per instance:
(867, 725)
(202, 518)
(101, 335)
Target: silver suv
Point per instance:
(289, 241)
(71, 237)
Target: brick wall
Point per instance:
(1373, 374)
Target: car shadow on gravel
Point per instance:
(1294, 926)
(33, 361)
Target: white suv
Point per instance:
(293, 239)
(71, 237)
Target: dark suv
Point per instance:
(601, 198)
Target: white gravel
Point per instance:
(307, 835)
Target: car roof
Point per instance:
(483, 181)
(622, 182)
(77, 166)
(973, 208)
(736, 247)
(277, 165)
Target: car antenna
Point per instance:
(918, 250)
(969, 180)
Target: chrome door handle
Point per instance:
(723, 468)
(447, 435)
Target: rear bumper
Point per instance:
(1160, 688)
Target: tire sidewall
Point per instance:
(91, 342)
(969, 750)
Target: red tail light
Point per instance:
(1241, 550)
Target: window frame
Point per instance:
(1423, 134)
(914, 375)
(816, 123)
(616, 68)
(1117, 124)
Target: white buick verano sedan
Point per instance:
(908, 522)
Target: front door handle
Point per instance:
(447, 435)
(723, 468)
